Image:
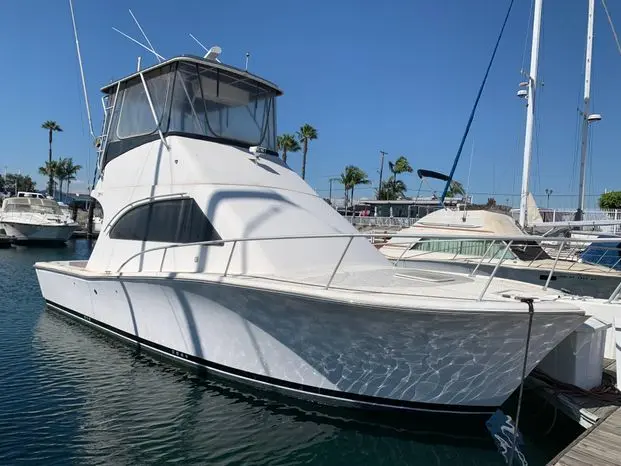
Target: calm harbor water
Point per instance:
(69, 395)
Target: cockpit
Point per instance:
(192, 97)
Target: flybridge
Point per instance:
(186, 96)
(189, 97)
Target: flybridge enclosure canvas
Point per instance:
(194, 98)
(30, 204)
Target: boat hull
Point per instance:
(337, 352)
(37, 233)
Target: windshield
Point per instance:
(196, 100)
(31, 205)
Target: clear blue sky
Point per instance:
(394, 75)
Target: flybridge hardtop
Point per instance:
(110, 88)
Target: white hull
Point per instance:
(31, 232)
(415, 359)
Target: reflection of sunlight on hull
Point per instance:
(133, 410)
(451, 361)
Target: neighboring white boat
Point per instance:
(524, 260)
(31, 218)
(218, 255)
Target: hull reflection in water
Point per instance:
(126, 408)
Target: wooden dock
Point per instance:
(599, 445)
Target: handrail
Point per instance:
(509, 240)
(144, 200)
(493, 274)
(473, 273)
(558, 254)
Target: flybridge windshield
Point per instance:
(195, 100)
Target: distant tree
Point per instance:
(305, 134)
(1, 184)
(16, 182)
(491, 202)
(610, 200)
(456, 189)
(52, 127)
(401, 165)
(287, 143)
(351, 177)
(70, 170)
(346, 181)
(392, 190)
(50, 169)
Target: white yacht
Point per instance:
(523, 260)
(32, 218)
(215, 254)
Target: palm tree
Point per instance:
(351, 177)
(346, 181)
(50, 169)
(305, 134)
(70, 171)
(358, 176)
(401, 165)
(51, 126)
(456, 189)
(392, 190)
(287, 143)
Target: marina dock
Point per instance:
(599, 445)
(599, 413)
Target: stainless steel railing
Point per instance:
(508, 241)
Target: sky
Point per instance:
(398, 76)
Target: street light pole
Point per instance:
(331, 180)
(548, 193)
(381, 172)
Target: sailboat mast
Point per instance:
(530, 109)
(586, 110)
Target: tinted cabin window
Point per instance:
(169, 221)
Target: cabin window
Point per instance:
(166, 221)
(474, 248)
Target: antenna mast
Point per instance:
(530, 109)
(586, 116)
(77, 46)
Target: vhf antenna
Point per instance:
(150, 47)
(77, 46)
(159, 57)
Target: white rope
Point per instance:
(612, 26)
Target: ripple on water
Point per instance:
(70, 395)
